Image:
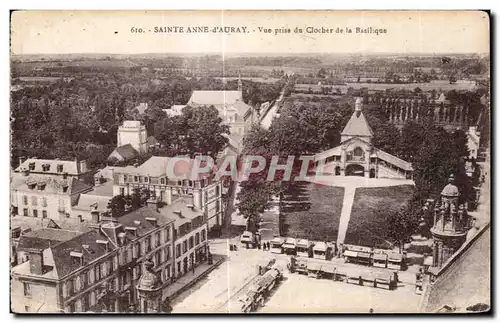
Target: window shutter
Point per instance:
(77, 283)
(91, 276)
(65, 290)
(92, 298)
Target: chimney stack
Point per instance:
(94, 213)
(152, 203)
(122, 238)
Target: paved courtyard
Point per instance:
(302, 294)
(297, 293)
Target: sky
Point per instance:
(426, 32)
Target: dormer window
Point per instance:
(41, 186)
(162, 181)
(31, 166)
(31, 185)
(59, 168)
(146, 179)
(46, 167)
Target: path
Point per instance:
(350, 183)
(345, 214)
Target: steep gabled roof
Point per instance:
(61, 253)
(357, 126)
(127, 151)
(214, 97)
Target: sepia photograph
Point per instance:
(232, 162)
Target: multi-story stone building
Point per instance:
(234, 112)
(75, 274)
(47, 188)
(99, 270)
(205, 192)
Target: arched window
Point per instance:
(358, 152)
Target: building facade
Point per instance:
(205, 192)
(101, 266)
(356, 155)
(234, 112)
(47, 188)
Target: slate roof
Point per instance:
(85, 201)
(157, 166)
(127, 152)
(44, 238)
(69, 166)
(393, 160)
(219, 99)
(27, 222)
(53, 184)
(357, 126)
(103, 190)
(61, 252)
(106, 172)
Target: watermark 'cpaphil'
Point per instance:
(240, 169)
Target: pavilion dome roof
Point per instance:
(450, 190)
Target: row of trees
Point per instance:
(80, 118)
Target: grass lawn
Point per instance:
(368, 216)
(312, 211)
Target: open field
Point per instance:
(312, 211)
(436, 85)
(369, 211)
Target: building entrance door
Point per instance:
(355, 170)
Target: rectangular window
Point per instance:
(197, 238)
(44, 214)
(184, 247)
(44, 201)
(167, 234)
(140, 179)
(167, 253)
(177, 251)
(162, 181)
(146, 179)
(83, 280)
(122, 191)
(157, 239)
(35, 213)
(65, 290)
(91, 276)
(27, 289)
(136, 178)
(203, 233)
(97, 272)
(124, 178)
(25, 200)
(25, 212)
(115, 262)
(191, 244)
